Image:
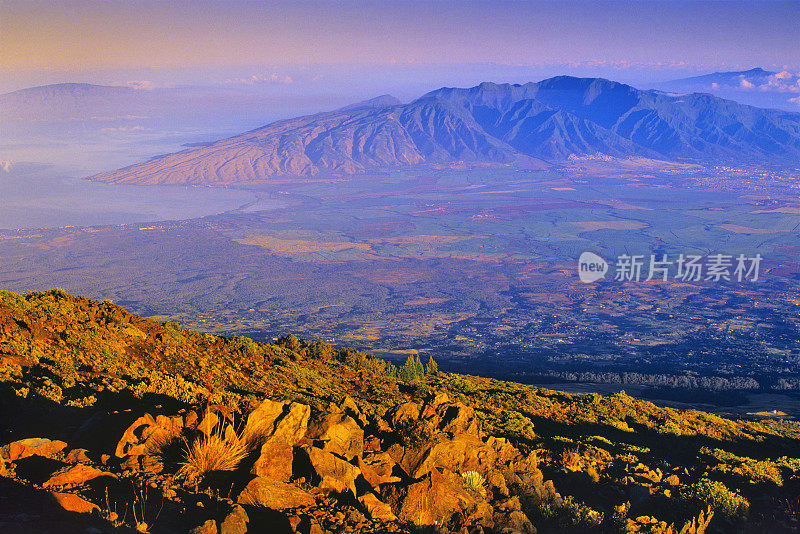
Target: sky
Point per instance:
(214, 41)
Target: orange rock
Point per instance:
(146, 434)
(32, 447)
(376, 467)
(453, 417)
(339, 434)
(292, 427)
(74, 503)
(333, 474)
(210, 420)
(435, 499)
(377, 509)
(275, 460)
(75, 475)
(278, 420)
(78, 456)
(403, 413)
(209, 527)
(261, 421)
(132, 440)
(235, 522)
(274, 494)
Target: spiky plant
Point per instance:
(221, 450)
(473, 480)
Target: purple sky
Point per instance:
(213, 41)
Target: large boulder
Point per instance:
(275, 460)
(32, 447)
(437, 499)
(376, 508)
(459, 453)
(452, 417)
(438, 415)
(350, 407)
(147, 434)
(274, 494)
(261, 421)
(74, 503)
(279, 426)
(75, 476)
(235, 522)
(338, 433)
(330, 473)
(277, 420)
(403, 414)
(209, 527)
(377, 467)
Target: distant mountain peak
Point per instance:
(71, 89)
(756, 86)
(490, 123)
(757, 70)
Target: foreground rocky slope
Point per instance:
(497, 124)
(115, 422)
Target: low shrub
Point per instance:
(712, 493)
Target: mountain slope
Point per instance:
(98, 404)
(488, 124)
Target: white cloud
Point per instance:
(795, 100)
(783, 81)
(123, 129)
(273, 78)
(106, 118)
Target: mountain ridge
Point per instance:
(497, 124)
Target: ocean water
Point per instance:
(43, 176)
(34, 196)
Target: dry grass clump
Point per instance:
(220, 450)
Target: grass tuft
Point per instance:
(219, 451)
(473, 480)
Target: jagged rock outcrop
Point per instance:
(436, 498)
(338, 433)
(279, 427)
(263, 491)
(147, 433)
(330, 473)
(376, 508)
(31, 447)
(377, 468)
(283, 421)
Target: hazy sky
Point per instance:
(70, 36)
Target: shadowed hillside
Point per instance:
(116, 422)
